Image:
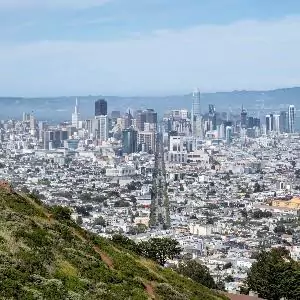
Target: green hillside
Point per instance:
(45, 255)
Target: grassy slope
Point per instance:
(45, 258)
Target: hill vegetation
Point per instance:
(45, 255)
(275, 275)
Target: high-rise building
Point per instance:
(250, 123)
(76, 116)
(243, 118)
(276, 123)
(32, 122)
(176, 143)
(269, 123)
(228, 135)
(212, 116)
(198, 128)
(101, 108)
(291, 118)
(140, 120)
(100, 128)
(127, 120)
(147, 116)
(115, 114)
(26, 117)
(196, 108)
(53, 138)
(146, 141)
(178, 114)
(129, 140)
(256, 122)
(283, 122)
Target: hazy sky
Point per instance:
(147, 47)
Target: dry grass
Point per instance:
(66, 269)
(10, 244)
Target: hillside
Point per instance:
(45, 255)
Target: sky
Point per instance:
(147, 47)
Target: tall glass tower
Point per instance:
(196, 107)
(100, 108)
(291, 115)
(196, 110)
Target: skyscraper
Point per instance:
(75, 115)
(269, 123)
(212, 116)
(196, 109)
(147, 116)
(129, 140)
(276, 123)
(256, 122)
(291, 118)
(250, 123)
(283, 121)
(127, 120)
(100, 128)
(243, 118)
(228, 135)
(100, 108)
(196, 106)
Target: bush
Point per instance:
(167, 292)
(197, 272)
(61, 213)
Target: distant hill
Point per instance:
(45, 255)
(61, 108)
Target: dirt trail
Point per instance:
(150, 291)
(105, 258)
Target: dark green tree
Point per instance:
(100, 221)
(197, 272)
(274, 276)
(79, 220)
(160, 249)
(124, 242)
(61, 213)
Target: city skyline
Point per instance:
(112, 47)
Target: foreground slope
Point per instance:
(45, 255)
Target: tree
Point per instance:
(86, 197)
(25, 190)
(61, 213)
(280, 229)
(79, 220)
(100, 221)
(133, 199)
(244, 213)
(229, 278)
(274, 276)
(259, 214)
(160, 249)
(197, 272)
(257, 188)
(141, 228)
(227, 266)
(122, 203)
(124, 242)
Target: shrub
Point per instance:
(61, 213)
(167, 292)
